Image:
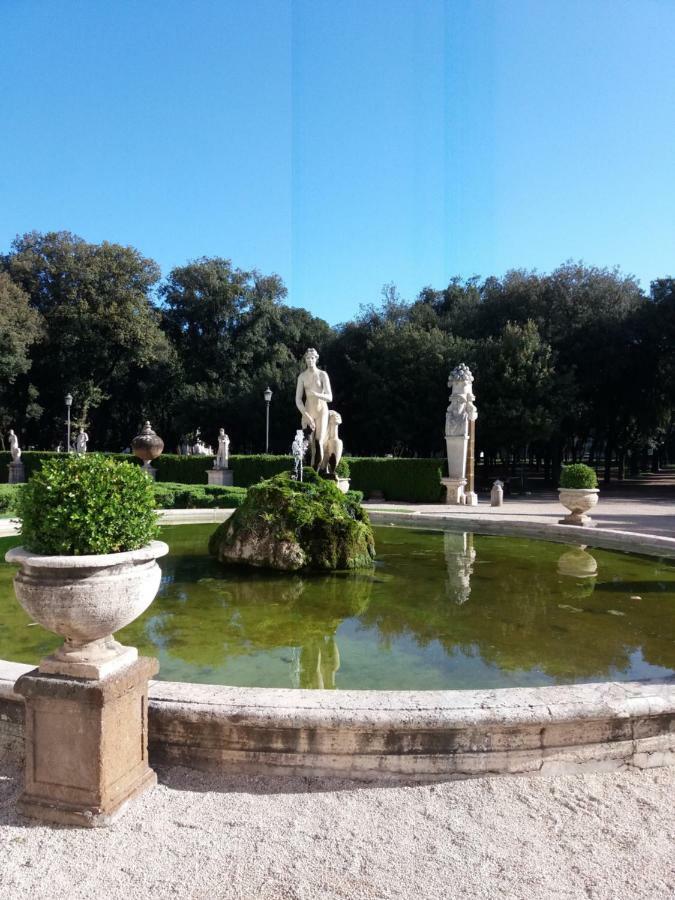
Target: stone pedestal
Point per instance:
(454, 490)
(471, 498)
(149, 471)
(17, 473)
(343, 484)
(86, 744)
(221, 477)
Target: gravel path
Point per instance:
(204, 836)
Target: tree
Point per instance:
(100, 326)
(234, 336)
(20, 327)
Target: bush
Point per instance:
(578, 475)
(412, 480)
(342, 469)
(206, 496)
(76, 505)
(9, 495)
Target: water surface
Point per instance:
(439, 610)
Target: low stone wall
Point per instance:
(397, 735)
(408, 735)
(604, 538)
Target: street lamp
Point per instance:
(267, 394)
(69, 403)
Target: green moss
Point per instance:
(285, 524)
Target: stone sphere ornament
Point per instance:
(147, 446)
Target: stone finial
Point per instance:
(460, 373)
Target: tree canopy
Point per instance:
(576, 360)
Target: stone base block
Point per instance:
(86, 744)
(95, 661)
(221, 477)
(454, 490)
(572, 519)
(343, 484)
(471, 498)
(17, 473)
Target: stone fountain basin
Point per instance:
(408, 735)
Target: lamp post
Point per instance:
(267, 394)
(69, 403)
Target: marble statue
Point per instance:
(14, 449)
(222, 460)
(81, 441)
(333, 452)
(314, 384)
(17, 470)
(460, 413)
(298, 449)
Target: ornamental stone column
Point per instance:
(460, 414)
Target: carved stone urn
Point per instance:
(147, 446)
(579, 501)
(85, 599)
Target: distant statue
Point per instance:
(333, 451)
(222, 460)
(315, 385)
(462, 409)
(81, 441)
(14, 448)
(298, 449)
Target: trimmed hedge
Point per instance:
(169, 495)
(412, 480)
(9, 494)
(171, 467)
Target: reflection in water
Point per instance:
(437, 611)
(316, 663)
(459, 558)
(578, 563)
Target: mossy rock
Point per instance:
(290, 525)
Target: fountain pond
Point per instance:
(440, 610)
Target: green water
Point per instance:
(440, 610)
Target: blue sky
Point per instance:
(345, 144)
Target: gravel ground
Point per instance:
(207, 836)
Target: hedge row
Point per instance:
(197, 496)
(412, 480)
(176, 469)
(167, 496)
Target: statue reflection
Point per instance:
(459, 558)
(250, 612)
(316, 663)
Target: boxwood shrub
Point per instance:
(86, 504)
(578, 475)
(9, 495)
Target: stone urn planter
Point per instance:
(147, 446)
(579, 501)
(85, 599)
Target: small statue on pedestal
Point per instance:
(17, 471)
(222, 460)
(81, 441)
(14, 449)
